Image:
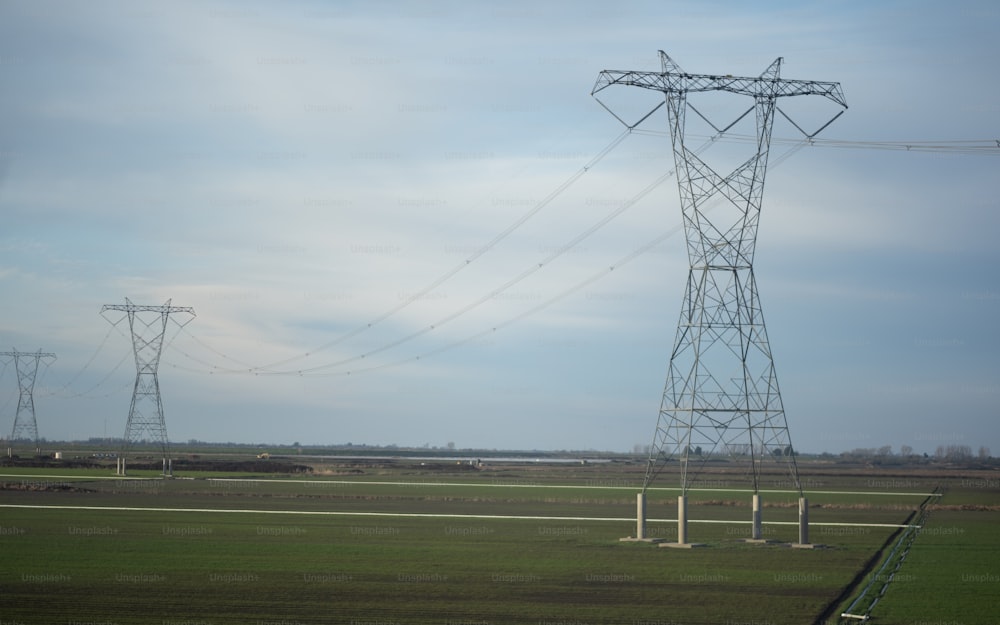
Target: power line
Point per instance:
(637, 252)
(532, 269)
(954, 146)
(13, 392)
(506, 285)
(101, 382)
(974, 147)
(535, 209)
(603, 273)
(90, 361)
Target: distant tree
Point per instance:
(884, 450)
(738, 449)
(451, 445)
(984, 453)
(905, 450)
(862, 452)
(953, 453)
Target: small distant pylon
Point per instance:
(25, 422)
(148, 326)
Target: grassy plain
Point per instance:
(303, 549)
(952, 573)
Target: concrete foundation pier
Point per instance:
(640, 522)
(804, 526)
(757, 531)
(756, 523)
(682, 526)
(803, 521)
(682, 519)
(640, 516)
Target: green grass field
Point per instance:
(242, 562)
(952, 568)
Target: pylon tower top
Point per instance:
(673, 80)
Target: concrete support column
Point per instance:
(682, 521)
(756, 533)
(640, 516)
(803, 521)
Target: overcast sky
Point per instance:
(297, 171)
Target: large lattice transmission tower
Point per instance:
(148, 327)
(25, 421)
(721, 394)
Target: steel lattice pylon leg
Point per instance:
(721, 393)
(25, 422)
(148, 326)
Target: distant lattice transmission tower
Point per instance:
(25, 422)
(148, 326)
(721, 393)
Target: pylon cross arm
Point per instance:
(757, 86)
(32, 354)
(133, 308)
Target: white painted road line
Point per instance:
(584, 487)
(476, 485)
(419, 515)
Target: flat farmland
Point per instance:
(412, 544)
(952, 567)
